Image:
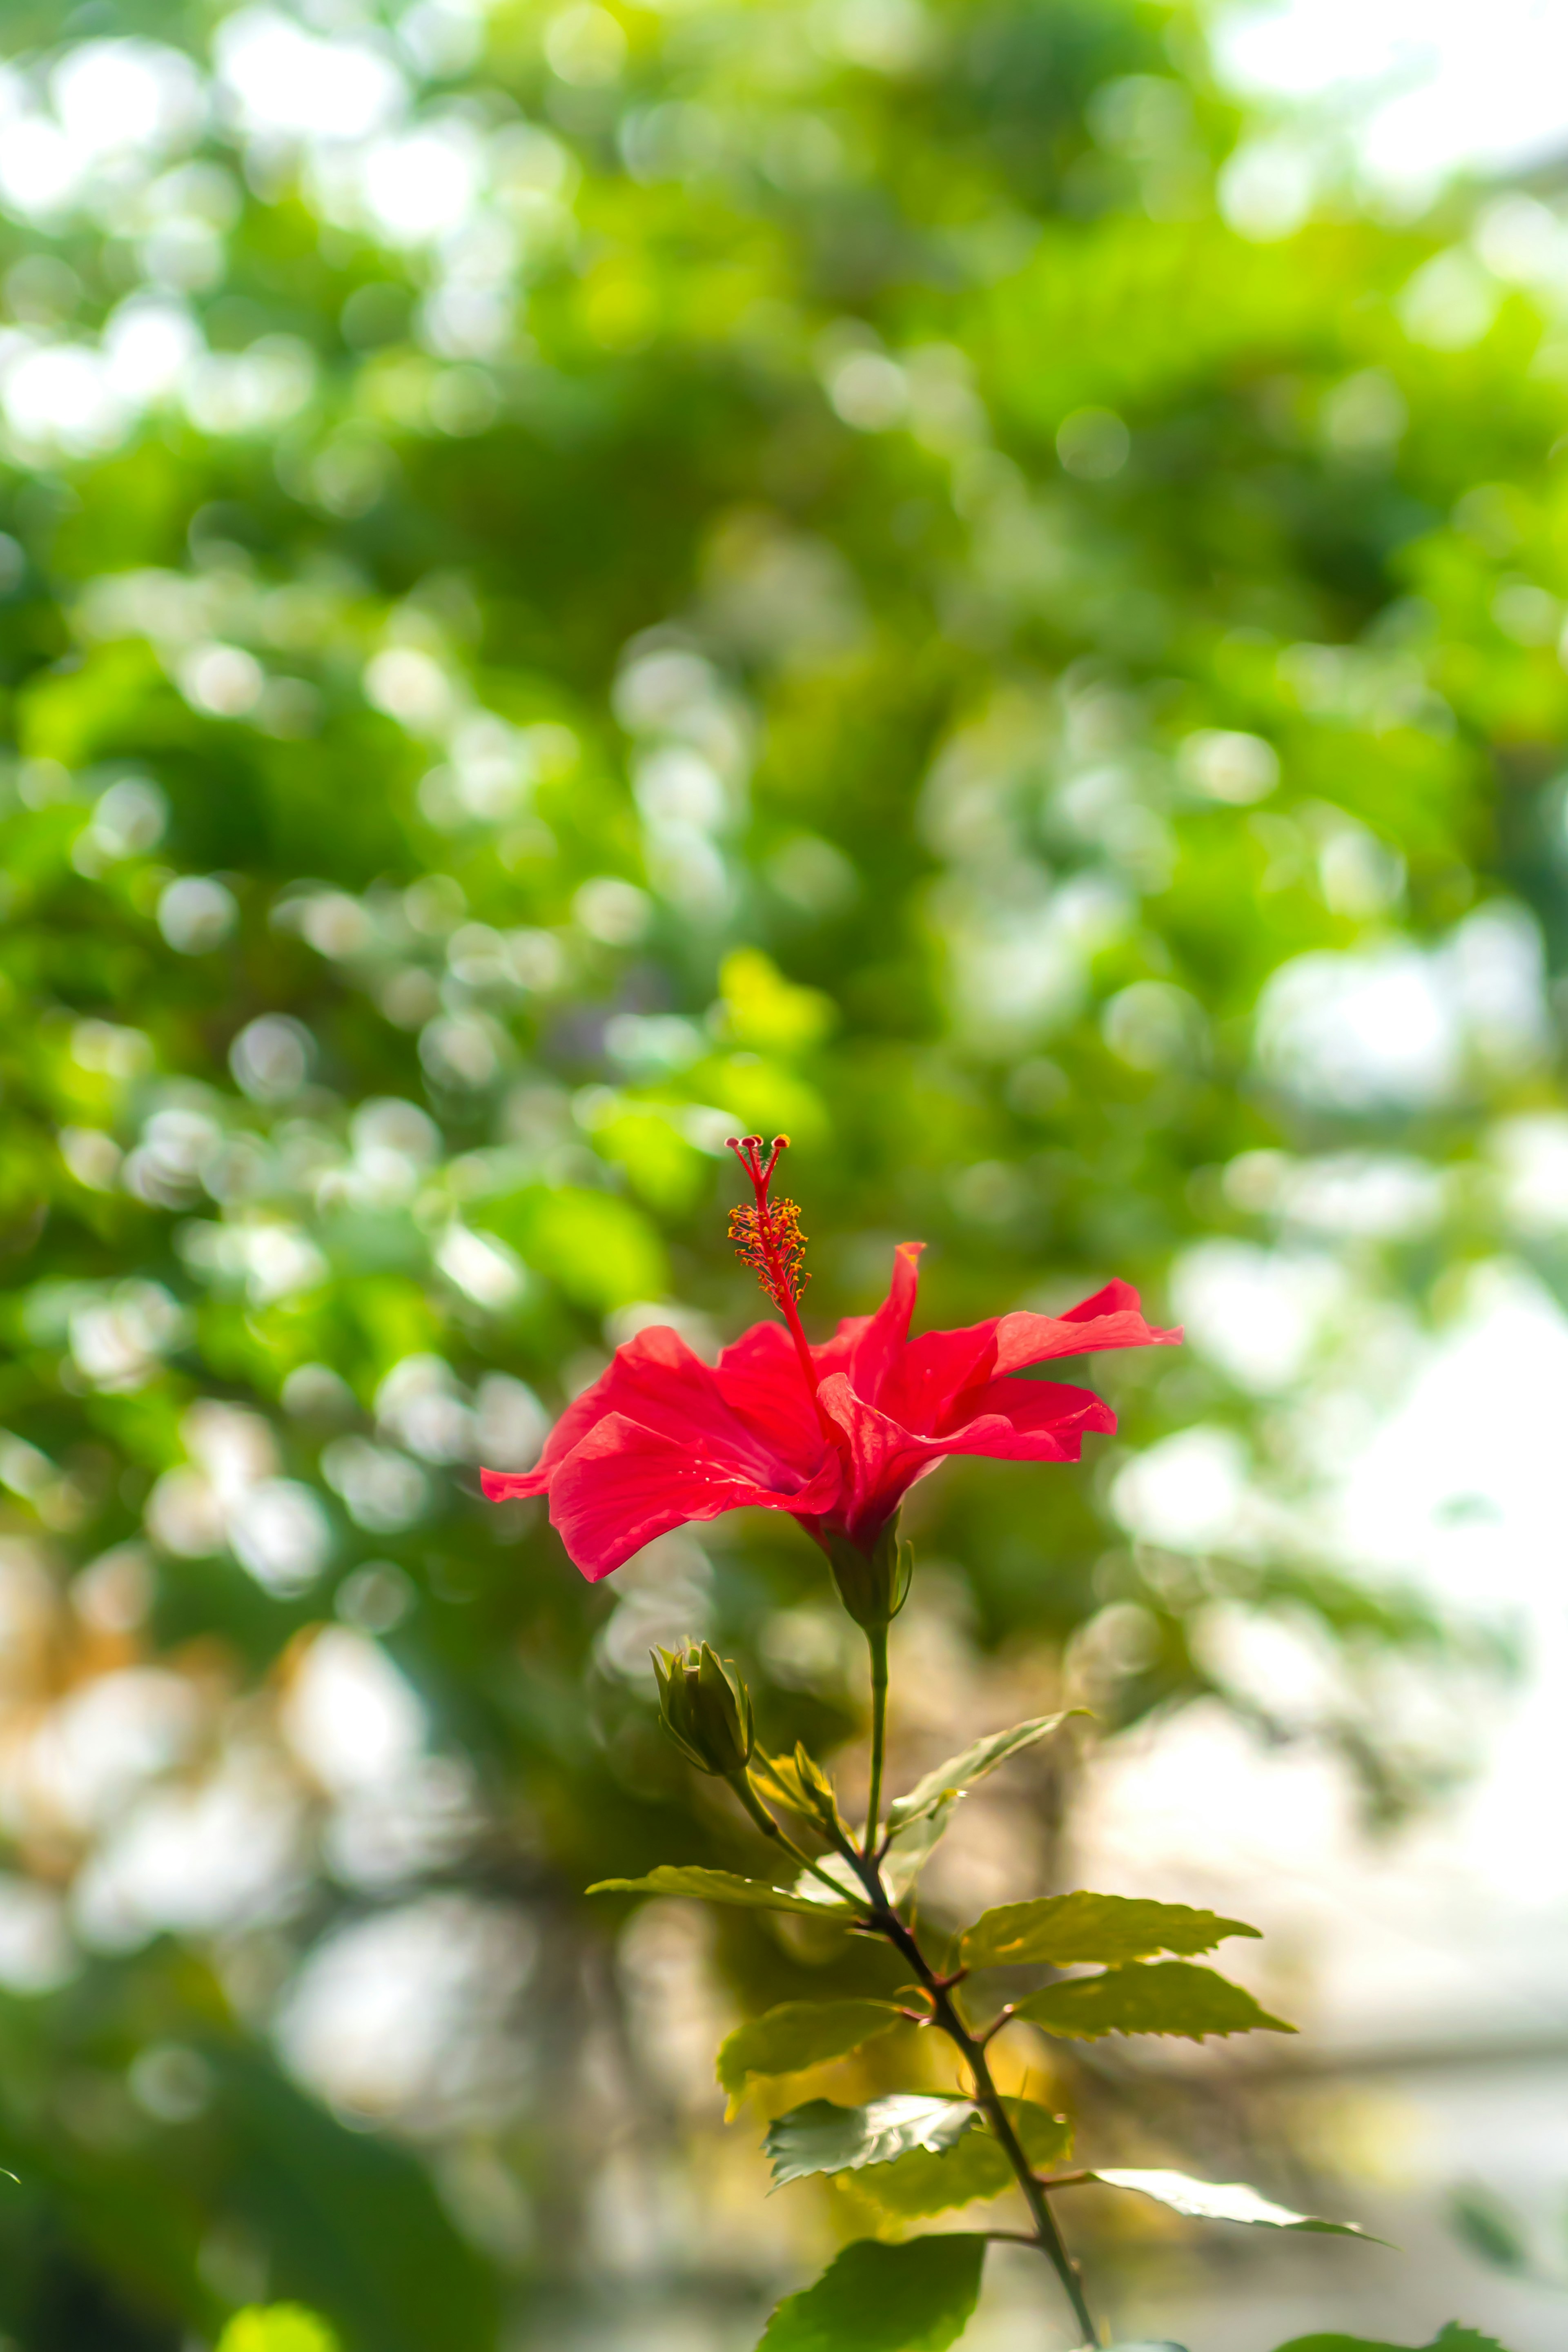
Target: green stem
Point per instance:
(945, 2013)
(877, 1642)
(764, 1820)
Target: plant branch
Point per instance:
(740, 1783)
(945, 2015)
(877, 1642)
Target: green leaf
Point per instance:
(912, 1848)
(823, 2137)
(1452, 2338)
(800, 2033)
(277, 2327)
(1159, 1997)
(877, 2298)
(1223, 2200)
(1489, 2230)
(963, 1771)
(720, 1887)
(933, 2181)
(1062, 1929)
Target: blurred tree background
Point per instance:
(576, 579)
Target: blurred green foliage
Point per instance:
(576, 579)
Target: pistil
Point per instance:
(771, 1243)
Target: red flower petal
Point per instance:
(938, 1371)
(1010, 1421)
(625, 1485)
(866, 1347)
(1030, 1420)
(656, 1380)
(1113, 1318)
(761, 1382)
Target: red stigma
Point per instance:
(768, 1236)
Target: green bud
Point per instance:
(873, 1585)
(705, 1708)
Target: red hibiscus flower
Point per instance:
(837, 1434)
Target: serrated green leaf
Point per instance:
(926, 2182)
(1064, 1929)
(722, 1886)
(963, 1771)
(1148, 1996)
(800, 2033)
(277, 2327)
(875, 2298)
(823, 2137)
(1223, 2200)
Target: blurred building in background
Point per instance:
(979, 581)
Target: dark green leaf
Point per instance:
(1063, 1929)
(1159, 1997)
(401, 2282)
(823, 2137)
(1452, 2338)
(926, 2182)
(800, 2033)
(875, 2298)
(1489, 2230)
(720, 1887)
(961, 1772)
(1223, 2200)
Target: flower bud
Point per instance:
(873, 1584)
(705, 1708)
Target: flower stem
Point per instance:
(740, 1783)
(945, 2013)
(877, 1642)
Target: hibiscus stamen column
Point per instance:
(771, 1243)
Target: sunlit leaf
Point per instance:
(800, 1785)
(912, 1848)
(823, 2137)
(877, 2298)
(1223, 2200)
(720, 1886)
(963, 1771)
(1159, 1997)
(800, 2033)
(1064, 1929)
(932, 2181)
(277, 2327)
